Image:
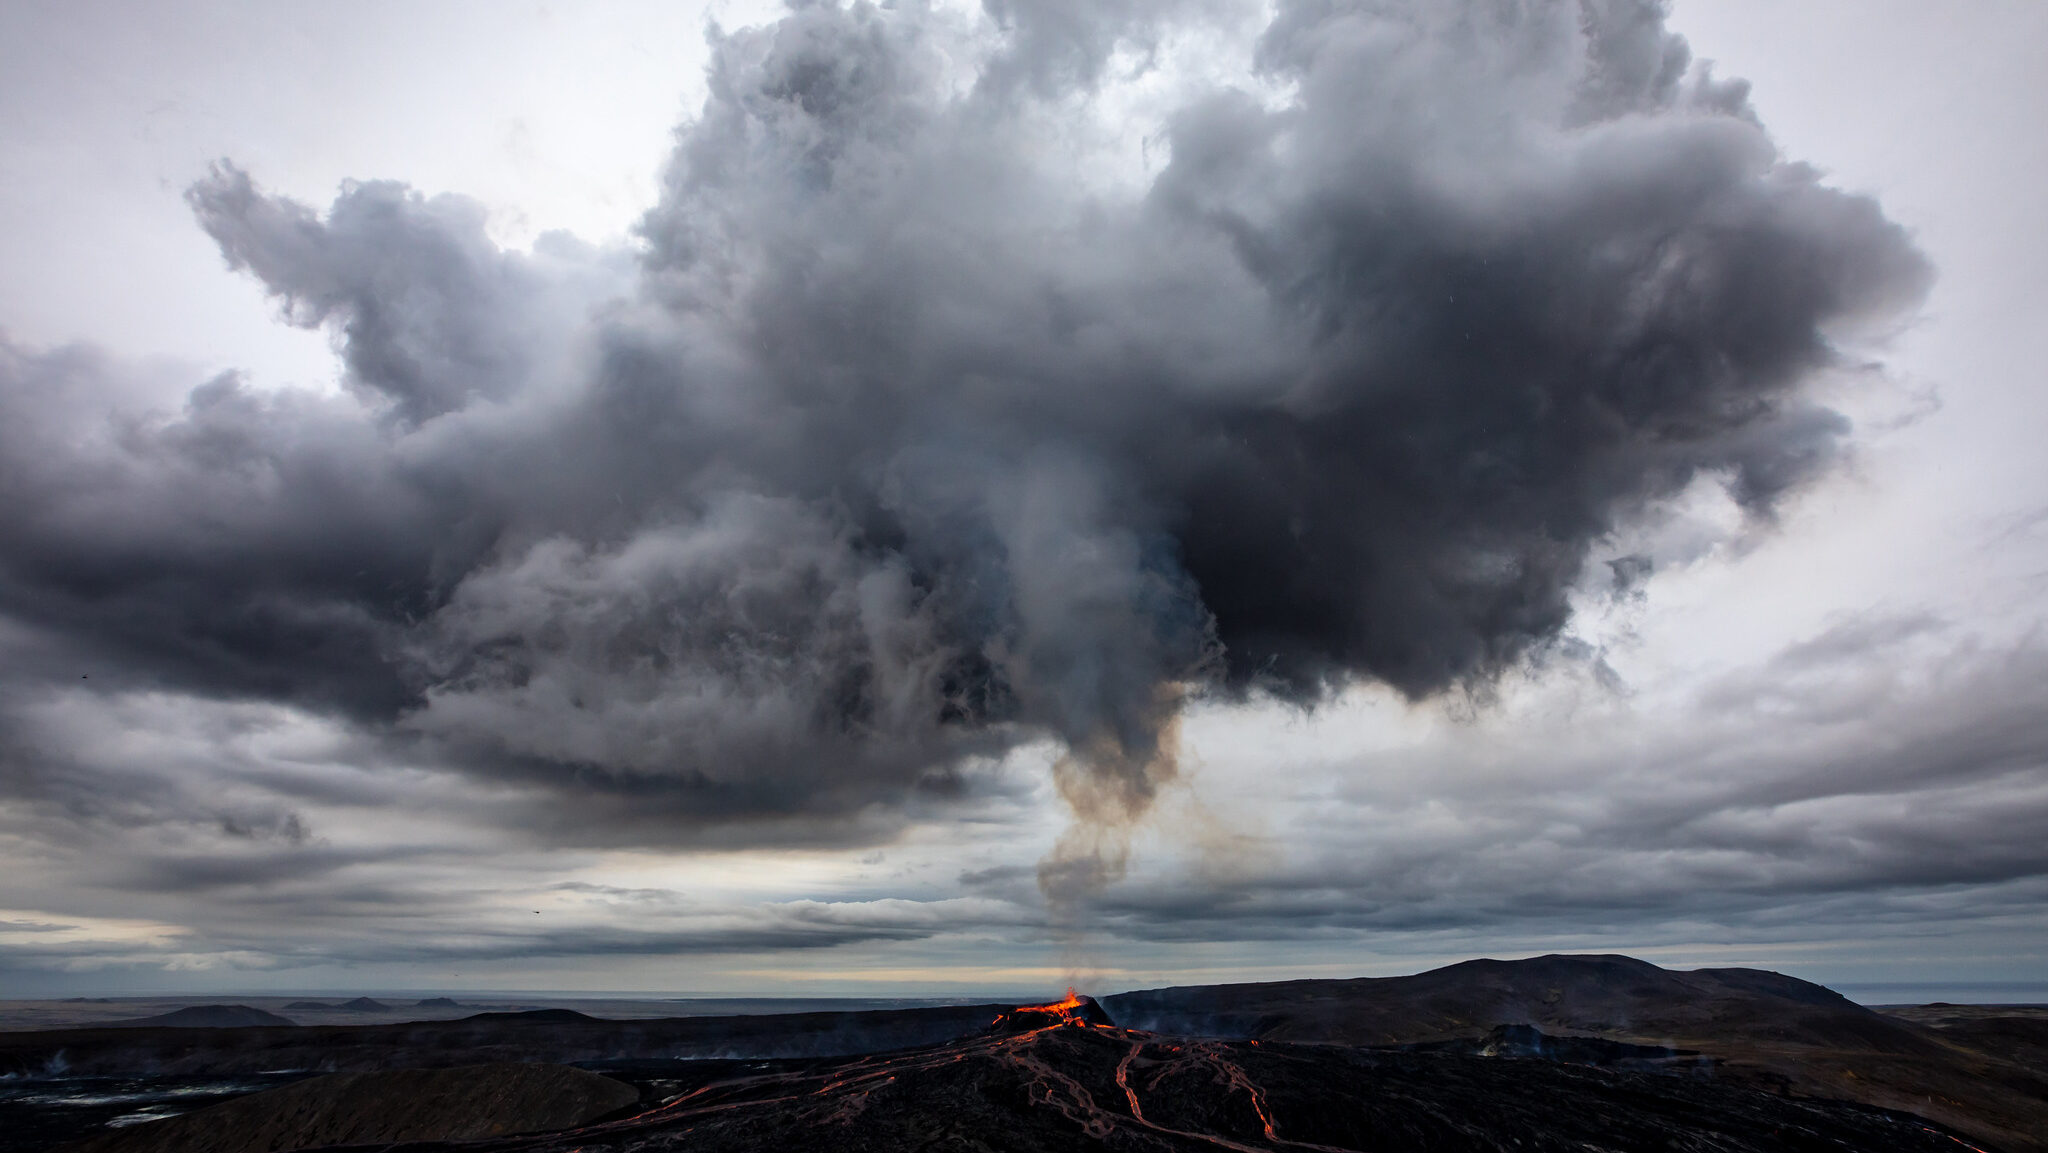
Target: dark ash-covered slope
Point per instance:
(1083, 1087)
(1762, 1028)
(398, 1105)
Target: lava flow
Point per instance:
(1058, 1078)
(1074, 1009)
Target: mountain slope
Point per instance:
(1766, 1029)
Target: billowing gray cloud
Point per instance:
(893, 446)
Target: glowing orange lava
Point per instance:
(1074, 1009)
(1063, 1008)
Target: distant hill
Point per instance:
(1610, 995)
(536, 1017)
(204, 1017)
(1762, 1028)
(359, 1005)
(437, 1003)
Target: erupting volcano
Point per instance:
(1443, 1060)
(1073, 1009)
(1043, 1088)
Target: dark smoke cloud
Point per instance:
(896, 445)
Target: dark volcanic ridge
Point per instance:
(1614, 996)
(1760, 1028)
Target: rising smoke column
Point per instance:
(895, 444)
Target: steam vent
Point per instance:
(1074, 1010)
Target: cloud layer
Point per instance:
(895, 446)
(1862, 804)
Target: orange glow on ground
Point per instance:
(1061, 1007)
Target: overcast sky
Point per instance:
(953, 499)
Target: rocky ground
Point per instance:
(1983, 1075)
(1081, 1087)
(378, 1108)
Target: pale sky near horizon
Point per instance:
(1814, 741)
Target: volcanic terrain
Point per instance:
(379, 1108)
(1049, 1079)
(1549, 1053)
(1760, 1028)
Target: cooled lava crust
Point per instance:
(1079, 1086)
